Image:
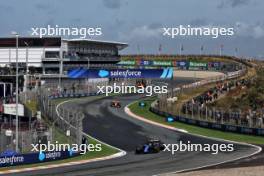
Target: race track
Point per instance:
(116, 128)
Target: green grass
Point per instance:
(106, 151)
(63, 139)
(144, 112)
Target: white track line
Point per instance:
(259, 149)
(67, 101)
(72, 163)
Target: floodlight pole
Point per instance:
(26, 81)
(88, 67)
(16, 34)
(61, 68)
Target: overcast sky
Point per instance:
(138, 22)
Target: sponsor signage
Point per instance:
(247, 130)
(162, 63)
(127, 62)
(182, 119)
(204, 124)
(145, 62)
(165, 73)
(181, 63)
(11, 109)
(8, 133)
(142, 104)
(214, 64)
(260, 132)
(170, 119)
(191, 121)
(12, 160)
(231, 128)
(222, 127)
(197, 64)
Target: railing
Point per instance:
(67, 120)
(201, 115)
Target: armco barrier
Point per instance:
(34, 158)
(211, 125)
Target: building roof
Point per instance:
(119, 45)
(10, 41)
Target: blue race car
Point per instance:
(151, 146)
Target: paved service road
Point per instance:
(116, 128)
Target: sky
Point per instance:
(139, 22)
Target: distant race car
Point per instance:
(140, 84)
(151, 146)
(115, 104)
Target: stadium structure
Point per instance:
(47, 53)
(49, 58)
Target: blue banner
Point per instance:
(212, 125)
(181, 63)
(12, 160)
(166, 73)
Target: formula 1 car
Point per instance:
(115, 104)
(151, 146)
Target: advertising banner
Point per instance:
(11, 109)
(198, 64)
(145, 62)
(214, 64)
(162, 63)
(121, 73)
(126, 62)
(30, 158)
(182, 64)
(212, 125)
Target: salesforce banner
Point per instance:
(166, 73)
(30, 158)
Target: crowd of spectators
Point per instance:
(198, 107)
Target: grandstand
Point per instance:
(47, 53)
(51, 57)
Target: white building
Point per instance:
(46, 52)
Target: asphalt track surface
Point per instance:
(116, 128)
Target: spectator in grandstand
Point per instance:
(73, 88)
(64, 90)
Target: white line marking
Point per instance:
(49, 166)
(259, 149)
(67, 101)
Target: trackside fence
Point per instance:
(197, 113)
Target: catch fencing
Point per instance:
(166, 104)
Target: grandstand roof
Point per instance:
(118, 44)
(10, 41)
